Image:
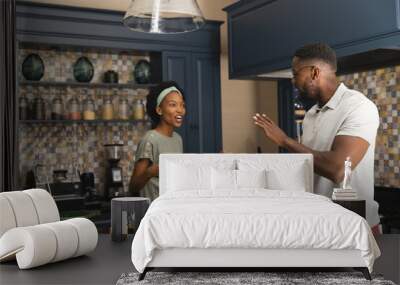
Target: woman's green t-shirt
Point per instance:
(150, 147)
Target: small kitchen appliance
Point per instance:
(114, 186)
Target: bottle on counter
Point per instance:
(138, 110)
(89, 112)
(74, 109)
(57, 110)
(108, 109)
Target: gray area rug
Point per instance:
(269, 278)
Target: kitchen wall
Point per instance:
(382, 86)
(267, 102)
(240, 98)
(75, 146)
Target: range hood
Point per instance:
(264, 34)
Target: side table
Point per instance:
(126, 211)
(357, 206)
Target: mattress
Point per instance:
(251, 219)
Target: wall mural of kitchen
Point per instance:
(52, 151)
(80, 147)
(382, 86)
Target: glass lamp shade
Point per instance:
(163, 16)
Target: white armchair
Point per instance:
(31, 230)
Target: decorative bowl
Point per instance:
(33, 67)
(142, 72)
(83, 70)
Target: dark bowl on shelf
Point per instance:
(142, 72)
(33, 67)
(83, 70)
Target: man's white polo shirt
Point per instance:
(347, 113)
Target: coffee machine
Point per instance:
(88, 186)
(114, 186)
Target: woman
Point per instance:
(166, 108)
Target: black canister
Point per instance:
(110, 76)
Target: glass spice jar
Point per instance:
(89, 109)
(138, 110)
(57, 112)
(39, 112)
(123, 108)
(23, 108)
(74, 109)
(108, 109)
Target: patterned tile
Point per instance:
(383, 87)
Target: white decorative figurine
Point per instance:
(346, 192)
(347, 174)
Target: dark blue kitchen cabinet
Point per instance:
(176, 67)
(206, 70)
(264, 34)
(191, 59)
(198, 76)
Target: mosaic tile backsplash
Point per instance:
(382, 86)
(79, 146)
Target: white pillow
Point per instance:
(223, 179)
(183, 177)
(280, 174)
(283, 179)
(235, 179)
(251, 178)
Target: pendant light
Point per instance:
(163, 16)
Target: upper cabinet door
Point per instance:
(177, 67)
(207, 89)
(199, 76)
(264, 34)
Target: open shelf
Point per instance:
(99, 121)
(73, 84)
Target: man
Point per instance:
(342, 124)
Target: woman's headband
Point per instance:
(165, 92)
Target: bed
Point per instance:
(247, 210)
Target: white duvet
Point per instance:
(252, 218)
